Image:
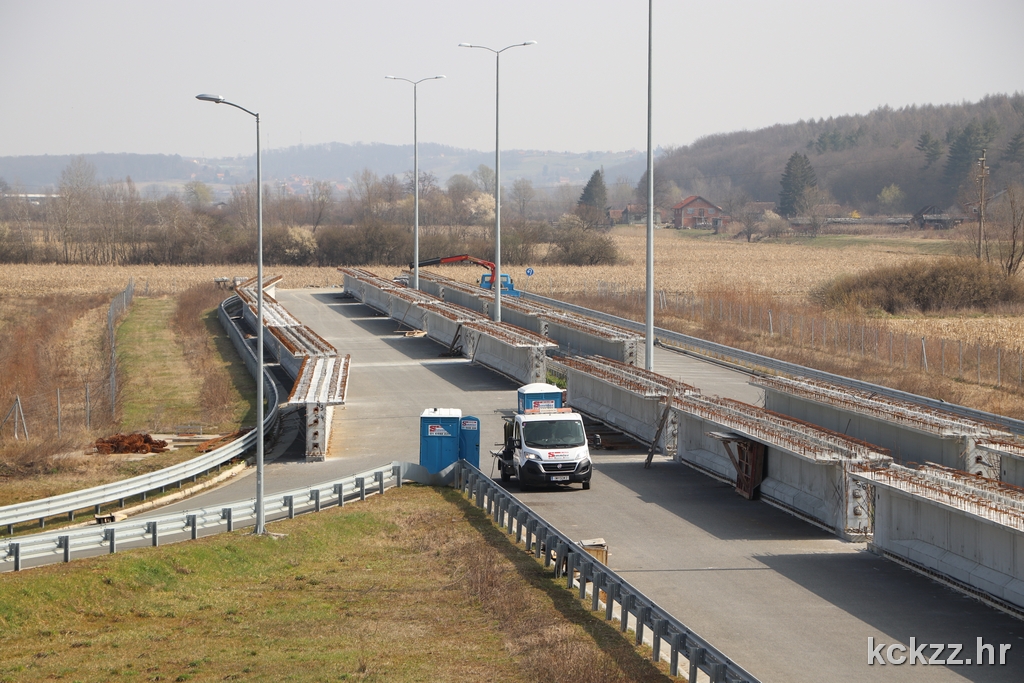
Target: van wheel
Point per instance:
(586, 486)
(522, 486)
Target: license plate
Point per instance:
(559, 477)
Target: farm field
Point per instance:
(414, 585)
(715, 287)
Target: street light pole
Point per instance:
(649, 343)
(260, 517)
(496, 286)
(416, 179)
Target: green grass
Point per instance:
(416, 585)
(161, 384)
(160, 389)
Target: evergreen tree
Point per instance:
(595, 194)
(1014, 150)
(931, 146)
(796, 179)
(965, 147)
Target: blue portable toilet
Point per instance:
(439, 438)
(469, 440)
(540, 396)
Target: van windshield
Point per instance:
(554, 434)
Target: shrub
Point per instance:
(948, 284)
(575, 245)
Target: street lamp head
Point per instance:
(465, 45)
(391, 77)
(217, 99)
(436, 77)
(530, 42)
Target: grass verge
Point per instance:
(416, 585)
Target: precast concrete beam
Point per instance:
(967, 529)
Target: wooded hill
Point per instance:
(929, 151)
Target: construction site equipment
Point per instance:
(508, 287)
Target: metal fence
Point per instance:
(68, 544)
(755, 363)
(579, 568)
(118, 307)
(95, 497)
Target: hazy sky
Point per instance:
(121, 75)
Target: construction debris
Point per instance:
(130, 443)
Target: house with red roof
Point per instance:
(697, 212)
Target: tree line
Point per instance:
(924, 155)
(88, 221)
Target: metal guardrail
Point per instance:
(755, 361)
(62, 546)
(543, 539)
(68, 503)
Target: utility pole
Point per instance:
(982, 173)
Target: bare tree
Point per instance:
(521, 195)
(319, 197)
(71, 211)
(1008, 226)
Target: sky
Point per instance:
(86, 76)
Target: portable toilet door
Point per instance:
(469, 440)
(439, 438)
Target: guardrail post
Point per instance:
(585, 570)
(717, 673)
(470, 485)
(560, 552)
(696, 659)
(570, 565)
(596, 583)
(361, 483)
(71, 515)
(495, 510)
(290, 502)
(520, 517)
(42, 522)
(510, 516)
(225, 513)
(625, 605)
(10, 529)
(15, 549)
(379, 477)
(541, 537)
(657, 633)
(120, 502)
(99, 509)
(673, 658)
(193, 524)
(530, 524)
(480, 493)
(490, 503)
(316, 500)
(110, 536)
(65, 543)
(396, 472)
(611, 592)
(641, 618)
(339, 491)
(152, 529)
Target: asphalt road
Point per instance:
(786, 600)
